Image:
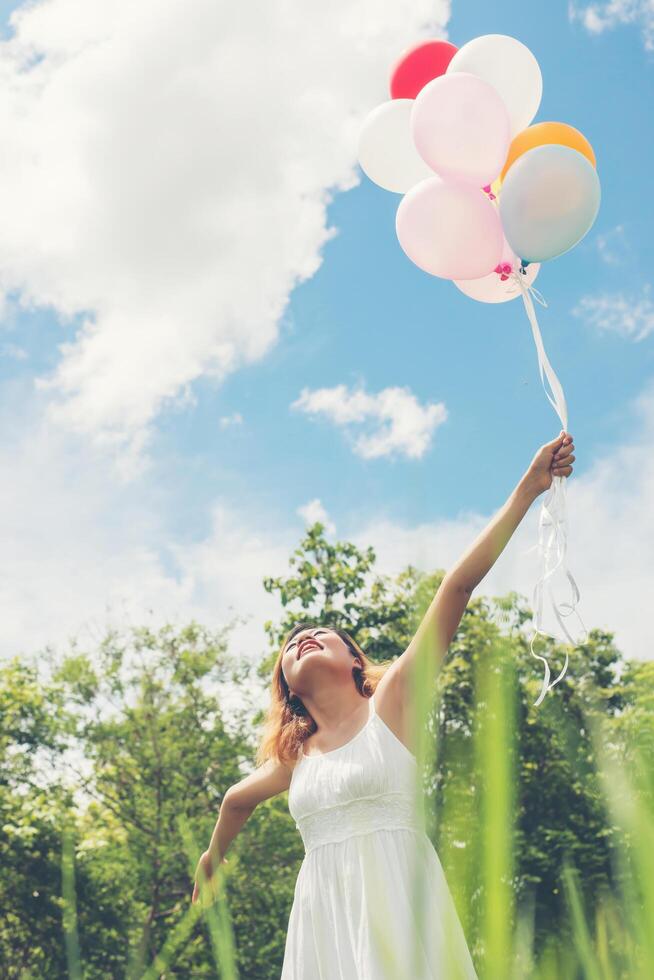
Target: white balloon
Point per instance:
(510, 67)
(387, 153)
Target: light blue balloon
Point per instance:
(549, 200)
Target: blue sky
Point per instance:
(368, 313)
(368, 317)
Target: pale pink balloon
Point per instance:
(449, 229)
(461, 128)
(499, 286)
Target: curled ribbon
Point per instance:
(552, 524)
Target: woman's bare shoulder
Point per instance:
(391, 704)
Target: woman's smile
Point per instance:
(307, 645)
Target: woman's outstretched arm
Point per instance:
(239, 802)
(552, 459)
(443, 616)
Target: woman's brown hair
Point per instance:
(287, 723)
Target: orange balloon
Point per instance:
(547, 132)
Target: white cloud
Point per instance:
(81, 551)
(164, 180)
(600, 17)
(403, 425)
(222, 575)
(13, 352)
(314, 511)
(612, 246)
(225, 421)
(629, 316)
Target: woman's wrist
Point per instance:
(526, 490)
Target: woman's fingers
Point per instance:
(564, 442)
(563, 458)
(204, 873)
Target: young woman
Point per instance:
(338, 738)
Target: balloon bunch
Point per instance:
(485, 192)
(487, 197)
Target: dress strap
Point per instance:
(372, 710)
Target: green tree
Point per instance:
(136, 727)
(152, 736)
(334, 584)
(31, 811)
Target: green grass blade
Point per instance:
(70, 906)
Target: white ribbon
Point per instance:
(552, 524)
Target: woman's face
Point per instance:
(311, 655)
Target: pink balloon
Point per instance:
(449, 229)
(461, 128)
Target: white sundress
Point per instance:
(355, 915)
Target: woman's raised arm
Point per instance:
(552, 459)
(443, 616)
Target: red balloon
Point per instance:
(418, 65)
